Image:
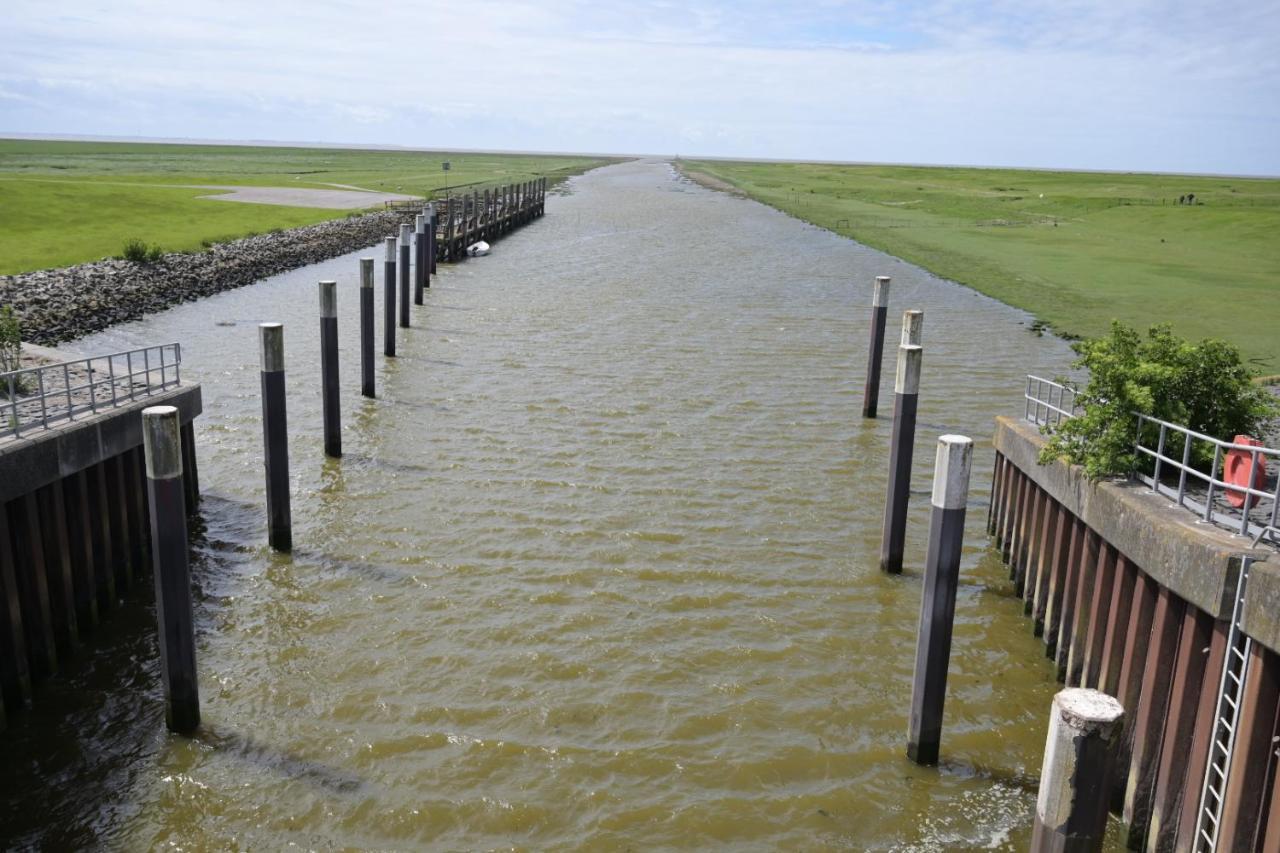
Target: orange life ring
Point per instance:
(1235, 470)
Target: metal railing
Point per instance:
(1041, 406)
(1207, 494)
(35, 398)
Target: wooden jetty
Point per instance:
(486, 215)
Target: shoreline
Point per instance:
(58, 305)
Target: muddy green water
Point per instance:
(598, 570)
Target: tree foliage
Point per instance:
(1203, 386)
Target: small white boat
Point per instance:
(479, 249)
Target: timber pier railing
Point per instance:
(462, 219)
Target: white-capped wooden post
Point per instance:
(389, 299)
(162, 451)
(366, 327)
(275, 436)
(938, 602)
(406, 241)
(901, 444)
(329, 368)
(419, 257)
(879, 312)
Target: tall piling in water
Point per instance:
(389, 299)
(879, 311)
(275, 436)
(366, 327)
(938, 602)
(406, 240)
(329, 368)
(162, 449)
(434, 223)
(419, 257)
(901, 444)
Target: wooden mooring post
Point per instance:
(901, 444)
(389, 299)
(275, 437)
(162, 446)
(938, 601)
(406, 244)
(366, 327)
(419, 257)
(879, 311)
(329, 369)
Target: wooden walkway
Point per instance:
(487, 214)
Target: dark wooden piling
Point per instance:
(275, 436)
(879, 311)
(938, 601)
(406, 246)
(901, 444)
(419, 257)
(162, 442)
(15, 670)
(389, 300)
(329, 369)
(366, 327)
(431, 245)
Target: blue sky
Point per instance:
(1095, 84)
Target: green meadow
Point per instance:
(63, 203)
(1075, 249)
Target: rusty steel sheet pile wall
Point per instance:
(1135, 599)
(74, 533)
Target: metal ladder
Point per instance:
(1230, 689)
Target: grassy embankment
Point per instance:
(66, 202)
(1075, 249)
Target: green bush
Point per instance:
(139, 252)
(1203, 386)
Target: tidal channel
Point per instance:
(598, 569)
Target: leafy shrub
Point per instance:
(140, 253)
(1203, 386)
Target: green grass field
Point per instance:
(1075, 249)
(63, 203)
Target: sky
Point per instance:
(1181, 85)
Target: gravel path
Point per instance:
(344, 199)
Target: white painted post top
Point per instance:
(913, 327)
(328, 299)
(162, 442)
(951, 472)
(366, 272)
(880, 296)
(909, 358)
(391, 249)
(420, 223)
(271, 347)
(406, 233)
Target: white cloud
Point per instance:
(1084, 83)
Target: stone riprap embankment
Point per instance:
(63, 304)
